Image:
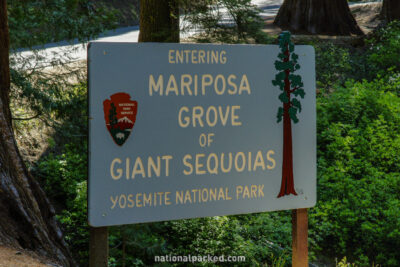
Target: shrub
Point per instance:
(332, 64)
(385, 48)
(358, 210)
(75, 226)
(261, 238)
(60, 174)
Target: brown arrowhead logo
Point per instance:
(120, 116)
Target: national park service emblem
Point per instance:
(120, 116)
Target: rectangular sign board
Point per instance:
(183, 131)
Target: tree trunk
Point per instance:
(287, 184)
(331, 17)
(390, 10)
(26, 216)
(159, 21)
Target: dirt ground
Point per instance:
(367, 16)
(10, 257)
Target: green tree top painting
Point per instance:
(291, 86)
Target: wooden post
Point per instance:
(98, 247)
(299, 238)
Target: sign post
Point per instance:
(98, 247)
(299, 238)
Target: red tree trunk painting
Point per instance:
(290, 84)
(287, 186)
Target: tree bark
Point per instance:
(26, 216)
(330, 17)
(390, 10)
(159, 21)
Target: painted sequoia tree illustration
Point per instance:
(291, 87)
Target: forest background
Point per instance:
(357, 217)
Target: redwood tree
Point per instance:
(390, 10)
(331, 17)
(291, 87)
(26, 216)
(159, 21)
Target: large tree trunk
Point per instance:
(26, 216)
(159, 21)
(390, 10)
(331, 17)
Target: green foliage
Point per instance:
(141, 242)
(207, 236)
(344, 263)
(258, 237)
(53, 101)
(63, 177)
(288, 82)
(270, 233)
(279, 116)
(358, 213)
(299, 92)
(51, 96)
(61, 174)
(74, 222)
(385, 48)
(284, 98)
(210, 16)
(36, 22)
(333, 64)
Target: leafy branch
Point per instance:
(290, 84)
